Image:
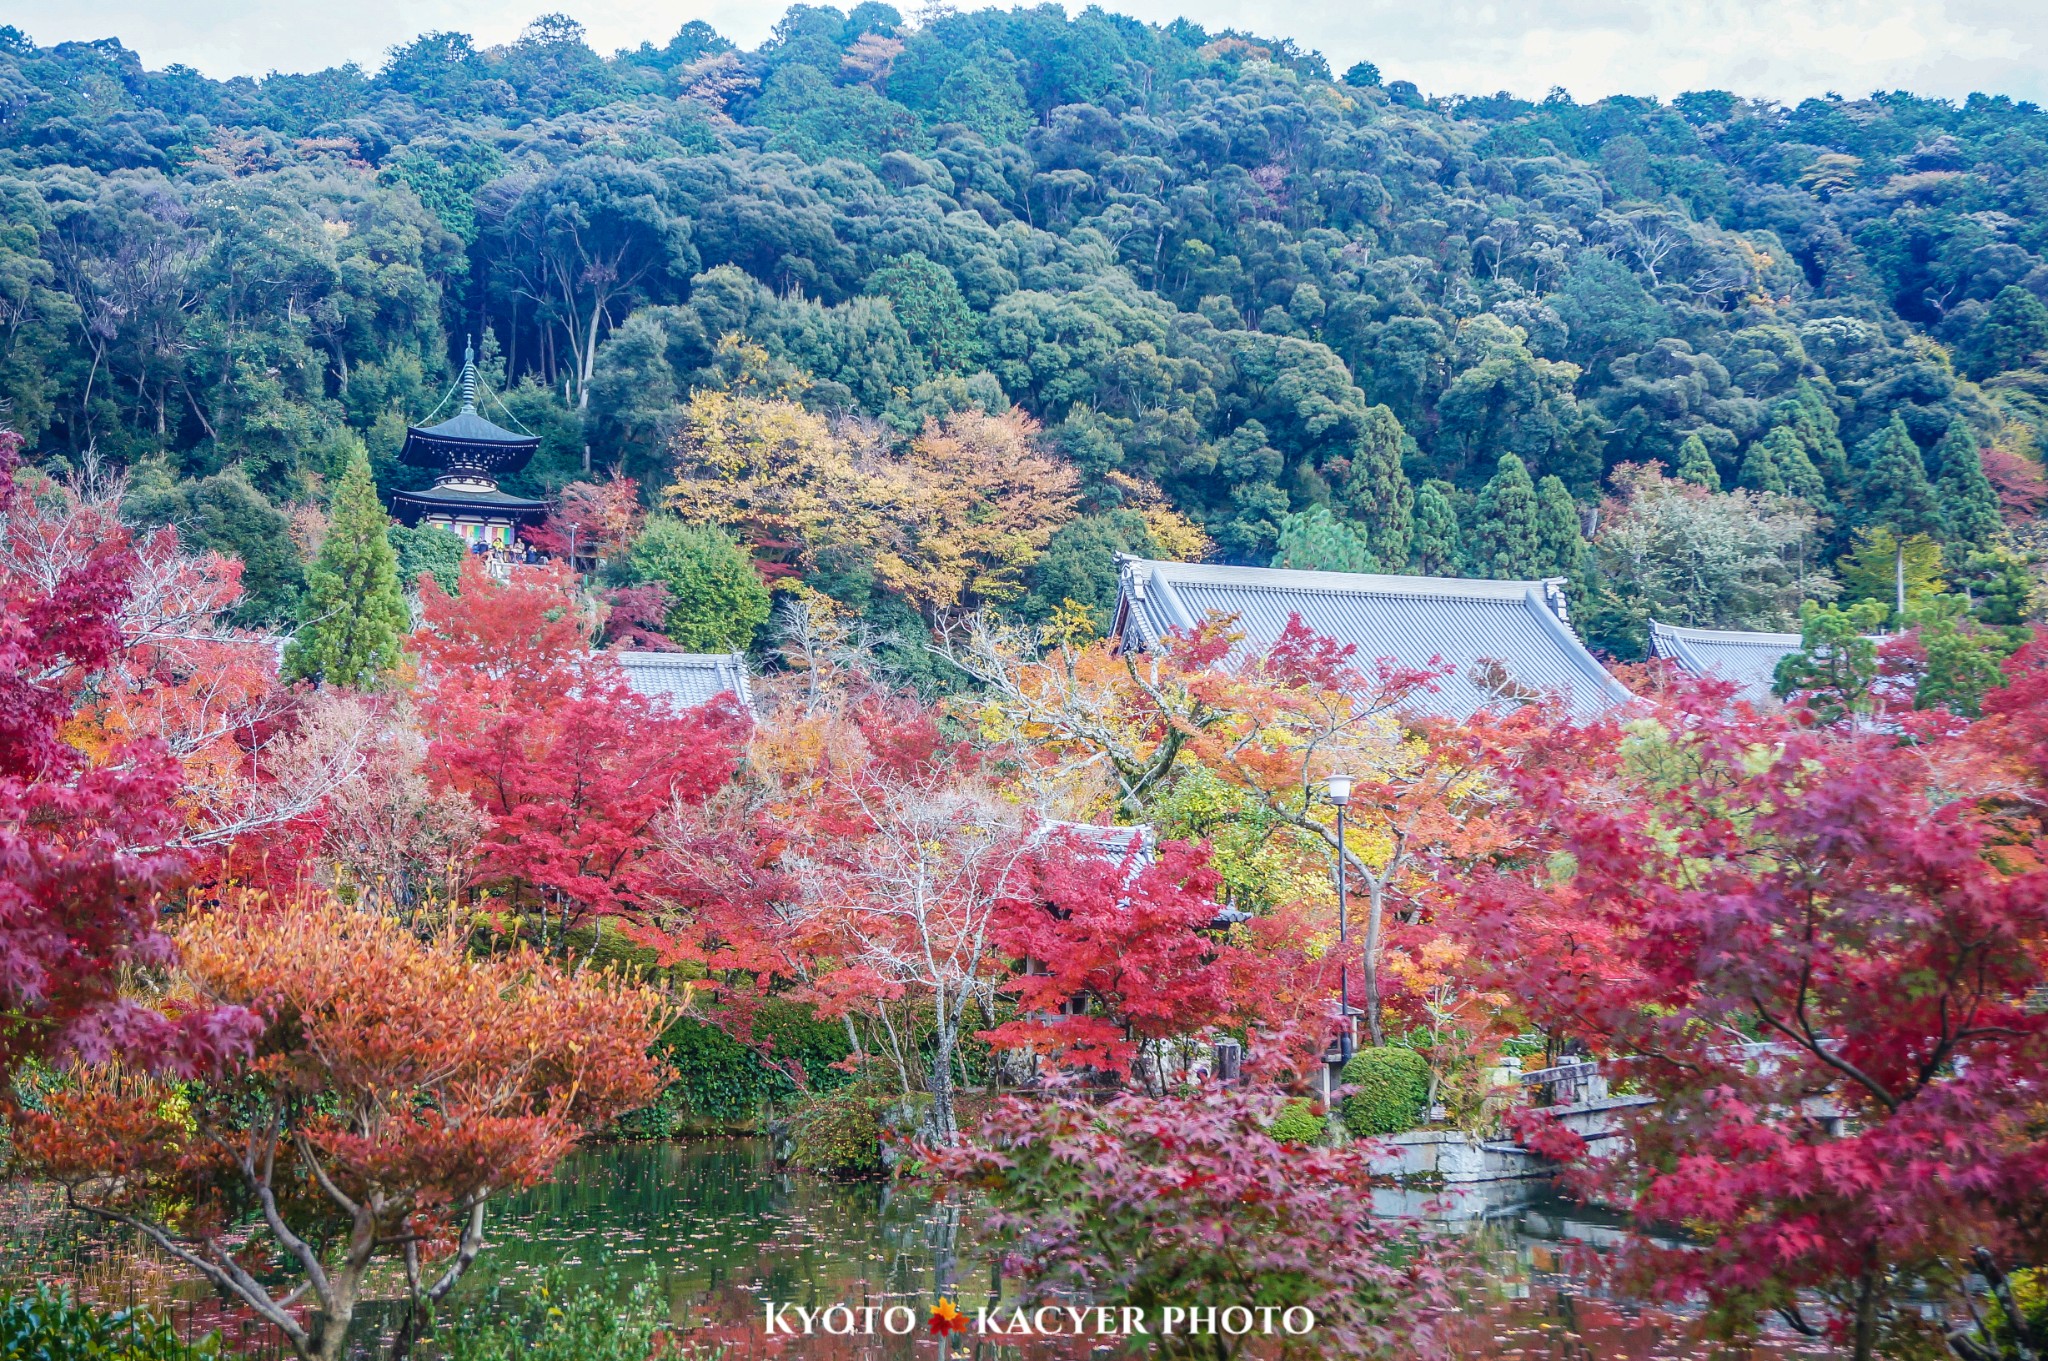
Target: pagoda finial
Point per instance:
(468, 376)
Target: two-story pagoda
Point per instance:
(471, 453)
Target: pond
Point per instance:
(723, 1231)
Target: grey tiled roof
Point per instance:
(1748, 659)
(687, 679)
(1412, 621)
(1117, 843)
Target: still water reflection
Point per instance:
(721, 1230)
(725, 1231)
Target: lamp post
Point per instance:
(1337, 789)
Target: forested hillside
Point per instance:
(1248, 307)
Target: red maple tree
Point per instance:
(1811, 954)
(570, 766)
(86, 855)
(1118, 951)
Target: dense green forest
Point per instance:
(1333, 322)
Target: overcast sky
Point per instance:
(1786, 49)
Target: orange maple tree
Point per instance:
(397, 1085)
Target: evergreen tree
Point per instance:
(1314, 540)
(1504, 542)
(928, 303)
(1894, 486)
(1895, 494)
(1760, 470)
(1436, 530)
(1819, 431)
(1836, 662)
(224, 514)
(1783, 465)
(1079, 564)
(1560, 548)
(2013, 335)
(717, 602)
(1968, 501)
(428, 550)
(2001, 586)
(1376, 491)
(353, 618)
(1696, 465)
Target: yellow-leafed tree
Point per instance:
(956, 519)
(980, 502)
(777, 474)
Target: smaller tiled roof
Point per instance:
(1118, 843)
(1498, 638)
(1748, 659)
(687, 679)
(444, 494)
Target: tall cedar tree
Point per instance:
(1504, 541)
(1779, 463)
(1377, 490)
(1807, 414)
(1895, 494)
(1314, 540)
(354, 617)
(1436, 530)
(1559, 546)
(1968, 501)
(1696, 465)
(1760, 470)
(2013, 335)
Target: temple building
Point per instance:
(1748, 659)
(686, 679)
(470, 453)
(1503, 642)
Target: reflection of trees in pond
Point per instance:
(726, 1229)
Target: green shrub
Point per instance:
(716, 600)
(721, 1082)
(550, 1321)
(838, 1133)
(1297, 1123)
(49, 1325)
(428, 551)
(1391, 1091)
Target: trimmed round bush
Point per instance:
(1391, 1091)
(1297, 1123)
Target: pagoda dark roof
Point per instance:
(410, 505)
(468, 442)
(467, 427)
